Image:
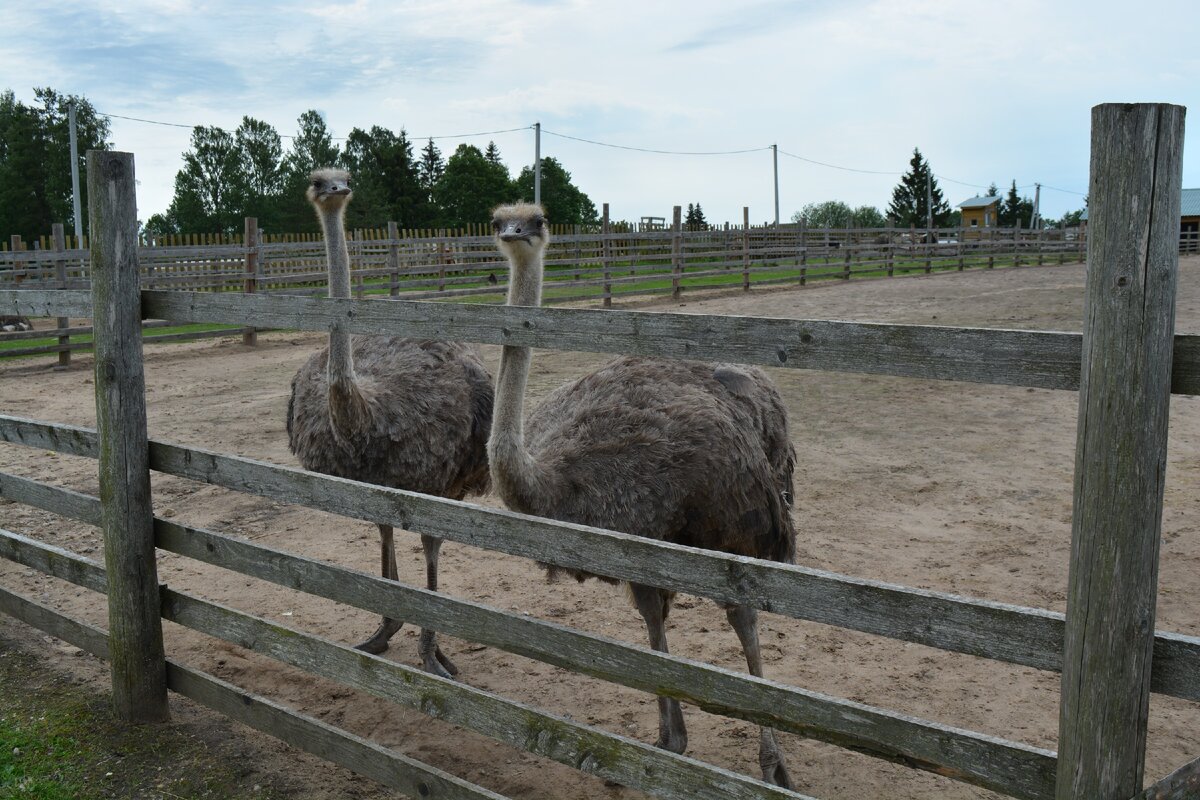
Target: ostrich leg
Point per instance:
(745, 622)
(432, 657)
(654, 604)
(388, 627)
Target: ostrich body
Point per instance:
(686, 452)
(408, 413)
(10, 324)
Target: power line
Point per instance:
(1066, 191)
(660, 152)
(835, 166)
(335, 138)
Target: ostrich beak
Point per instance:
(514, 231)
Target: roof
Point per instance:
(1189, 204)
(982, 201)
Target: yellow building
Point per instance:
(980, 212)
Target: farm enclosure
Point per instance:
(950, 486)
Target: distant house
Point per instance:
(1189, 220)
(981, 212)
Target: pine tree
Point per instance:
(909, 204)
(1015, 209)
(492, 154)
(430, 168)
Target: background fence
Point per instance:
(596, 263)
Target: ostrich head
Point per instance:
(329, 188)
(521, 231)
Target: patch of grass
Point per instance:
(60, 741)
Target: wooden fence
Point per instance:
(612, 261)
(1107, 649)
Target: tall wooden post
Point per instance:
(250, 335)
(604, 253)
(60, 273)
(1121, 449)
(135, 630)
(745, 248)
(16, 245)
(393, 258)
(676, 252)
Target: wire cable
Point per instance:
(835, 166)
(660, 152)
(335, 138)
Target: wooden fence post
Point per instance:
(60, 274)
(991, 248)
(889, 247)
(1017, 243)
(604, 228)
(393, 258)
(803, 246)
(135, 630)
(745, 248)
(1121, 450)
(1041, 243)
(958, 240)
(16, 245)
(578, 251)
(676, 252)
(250, 241)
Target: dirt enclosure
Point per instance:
(951, 486)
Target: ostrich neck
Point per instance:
(348, 410)
(518, 477)
(341, 362)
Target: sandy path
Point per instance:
(956, 487)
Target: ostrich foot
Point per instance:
(379, 639)
(433, 659)
(771, 761)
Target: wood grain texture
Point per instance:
(1028, 636)
(1043, 359)
(1182, 784)
(1121, 450)
(618, 758)
(412, 777)
(1017, 769)
(135, 643)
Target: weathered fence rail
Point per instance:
(392, 264)
(1079, 645)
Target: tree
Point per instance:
(430, 168)
(830, 214)
(867, 217)
(992, 190)
(260, 153)
(564, 202)
(1014, 209)
(470, 187)
(492, 154)
(312, 148)
(695, 220)
(909, 199)
(211, 189)
(386, 180)
(35, 159)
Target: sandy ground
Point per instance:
(957, 487)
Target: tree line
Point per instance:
(35, 160)
(227, 176)
(914, 198)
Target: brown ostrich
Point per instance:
(11, 324)
(409, 413)
(686, 452)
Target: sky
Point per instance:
(990, 92)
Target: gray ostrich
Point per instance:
(409, 413)
(10, 324)
(686, 452)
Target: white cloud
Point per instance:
(989, 92)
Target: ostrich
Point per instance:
(409, 413)
(10, 324)
(685, 452)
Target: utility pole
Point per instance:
(537, 163)
(75, 173)
(775, 157)
(1037, 199)
(928, 200)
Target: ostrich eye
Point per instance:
(316, 184)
